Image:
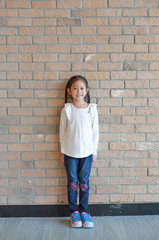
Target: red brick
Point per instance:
(8, 13)
(19, 111)
(133, 137)
(59, 31)
(20, 129)
(44, 22)
(69, 40)
(134, 12)
(123, 93)
(19, 93)
(108, 189)
(94, 4)
(135, 102)
(70, 58)
(94, 21)
(30, 13)
(5, 31)
(110, 30)
(134, 189)
(44, 57)
(122, 198)
(55, 172)
(68, 22)
(3, 147)
(31, 120)
(45, 112)
(17, 4)
(31, 31)
(44, 40)
(16, 76)
(83, 31)
(137, 84)
(83, 48)
(19, 57)
(9, 103)
(57, 49)
(19, 147)
(109, 66)
(84, 67)
(96, 58)
(32, 173)
(115, 57)
(19, 22)
(31, 66)
(8, 49)
(146, 198)
(32, 84)
(43, 4)
(82, 13)
(135, 48)
(120, 21)
(46, 164)
(135, 30)
(133, 120)
(69, 4)
(45, 147)
(121, 146)
(146, 39)
(110, 48)
(120, 4)
(122, 39)
(45, 199)
(56, 13)
(146, 3)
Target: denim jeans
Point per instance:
(78, 172)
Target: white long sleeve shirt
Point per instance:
(79, 131)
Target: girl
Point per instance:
(79, 140)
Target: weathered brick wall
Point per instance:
(114, 44)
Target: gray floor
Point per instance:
(109, 228)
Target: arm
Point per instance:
(63, 124)
(95, 127)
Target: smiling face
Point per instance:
(78, 90)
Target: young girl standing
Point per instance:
(79, 136)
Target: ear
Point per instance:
(69, 91)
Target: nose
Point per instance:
(78, 90)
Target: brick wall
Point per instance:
(114, 44)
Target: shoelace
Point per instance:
(86, 217)
(76, 217)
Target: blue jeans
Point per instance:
(78, 171)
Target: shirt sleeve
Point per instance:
(63, 125)
(95, 126)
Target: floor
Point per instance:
(109, 228)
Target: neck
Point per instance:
(80, 104)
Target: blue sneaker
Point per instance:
(86, 220)
(76, 220)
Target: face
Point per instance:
(78, 90)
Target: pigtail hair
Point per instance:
(66, 91)
(66, 95)
(88, 97)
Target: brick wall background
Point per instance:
(114, 44)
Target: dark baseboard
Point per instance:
(94, 209)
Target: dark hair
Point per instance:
(74, 79)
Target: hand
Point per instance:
(62, 158)
(94, 158)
